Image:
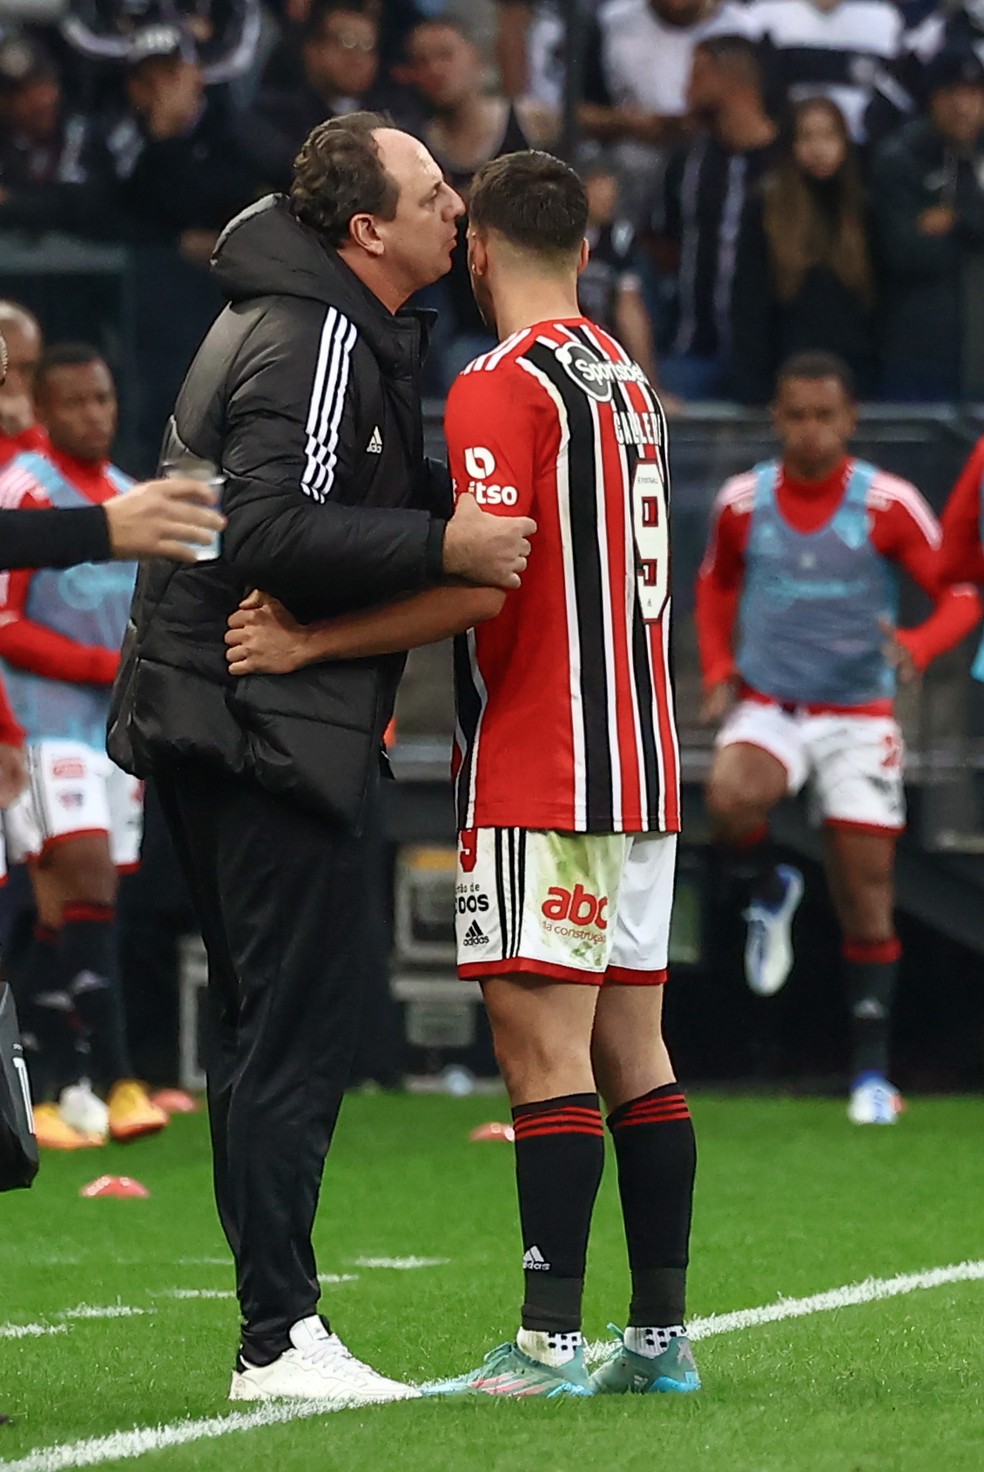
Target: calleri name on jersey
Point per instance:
(565, 707)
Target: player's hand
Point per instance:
(160, 517)
(897, 653)
(263, 638)
(485, 549)
(717, 702)
(13, 773)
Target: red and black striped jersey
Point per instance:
(564, 700)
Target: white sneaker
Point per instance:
(79, 1107)
(874, 1101)
(318, 1367)
(769, 940)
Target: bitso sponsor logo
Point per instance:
(578, 906)
(480, 466)
(71, 800)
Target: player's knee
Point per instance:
(532, 1066)
(84, 876)
(733, 807)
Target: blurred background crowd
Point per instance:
(765, 175)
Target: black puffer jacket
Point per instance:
(305, 392)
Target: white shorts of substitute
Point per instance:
(75, 790)
(853, 763)
(583, 907)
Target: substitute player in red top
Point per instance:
(567, 781)
(796, 611)
(962, 558)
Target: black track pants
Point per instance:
(277, 892)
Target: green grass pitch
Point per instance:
(792, 1201)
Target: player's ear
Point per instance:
(478, 254)
(584, 256)
(363, 233)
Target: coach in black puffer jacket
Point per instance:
(305, 391)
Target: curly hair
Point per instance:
(338, 173)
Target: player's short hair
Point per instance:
(816, 365)
(533, 200)
(339, 173)
(19, 316)
(65, 355)
(441, 23)
(737, 56)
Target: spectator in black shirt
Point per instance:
(339, 56)
(609, 289)
(955, 28)
(56, 172)
(182, 172)
(804, 279)
(699, 215)
(928, 211)
(225, 32)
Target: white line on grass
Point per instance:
(108, 1311)
(123, 1445)
(400, 1262)
(30, 1331)
(868, 1291)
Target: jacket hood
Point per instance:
(265, 251)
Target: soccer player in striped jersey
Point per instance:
(796, 610)
(567, 782)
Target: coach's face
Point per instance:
(418, 241)
(814, 419)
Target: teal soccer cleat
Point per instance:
(626, 1373)
(508, 1371)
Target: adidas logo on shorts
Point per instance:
(475, 935)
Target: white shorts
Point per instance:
(583, 907)
(853, 763)
(75, 790)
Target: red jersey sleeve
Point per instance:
(720, 579)
(491, 425)
(906, 531)
(962, 557)
(30, 645)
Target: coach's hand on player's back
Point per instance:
(486, 549)
(161, 517)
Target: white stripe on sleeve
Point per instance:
(327, 404)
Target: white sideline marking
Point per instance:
(123, 1445)
(400, 1262)
(29, 1331)
(110, 1311)
(205, 1262)
(868, 1291)
(195, 1293)
(338, 1277)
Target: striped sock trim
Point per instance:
(569, 1115)
(659, 1106)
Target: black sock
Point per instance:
(90, 972)
(560, 1154)
(657, 1162)
(872, 971)
(751, 863)
(50, 1032)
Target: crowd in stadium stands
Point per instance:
(767, 175)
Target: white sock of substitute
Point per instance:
(652, 1342)
(550, 1349)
